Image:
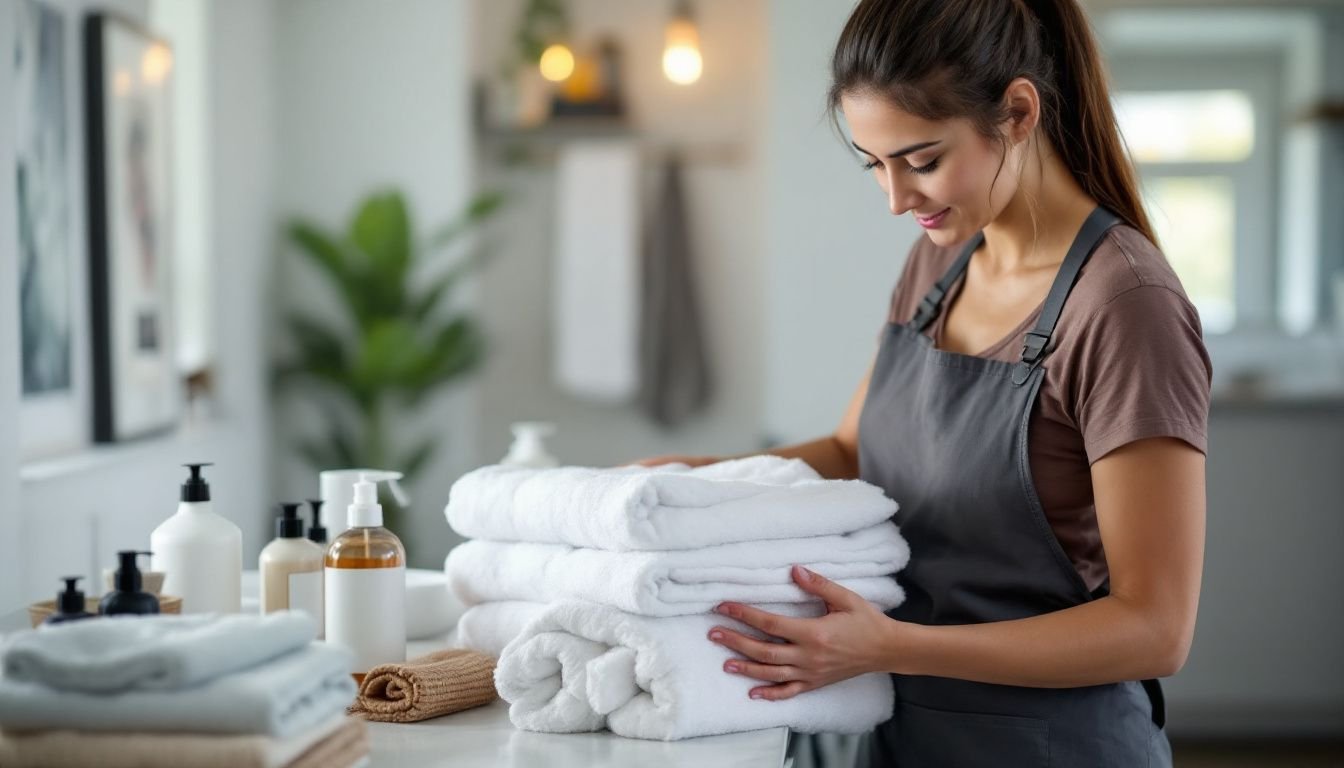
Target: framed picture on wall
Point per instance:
(128, 74)
(52, 410)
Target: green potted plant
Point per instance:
(397, 343)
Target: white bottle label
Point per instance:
(366, 612)
(305, 594)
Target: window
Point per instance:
(1202, 133)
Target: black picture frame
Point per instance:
(136, 389)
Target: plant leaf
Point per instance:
(423, 305)
(332, 258)
(457, 348)
(481, 207)
(387, 354)
(381, 231)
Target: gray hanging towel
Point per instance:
(674, 364)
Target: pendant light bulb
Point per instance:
(557, 63)
(681, 52)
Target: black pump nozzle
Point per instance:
(289, 525)
(70, 600)
(195, 488)
(317, 532)
(128, 577)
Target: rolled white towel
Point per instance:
(638, 508)
(683, 581)
(580, 666)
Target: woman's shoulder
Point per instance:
(1125, 265)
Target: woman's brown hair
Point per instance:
(941, 59)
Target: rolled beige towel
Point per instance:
(433, 685)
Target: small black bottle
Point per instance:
(316, 532)
(128, 597)
(69, 603)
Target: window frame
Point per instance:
(1256, 179)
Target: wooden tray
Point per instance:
(38, 612)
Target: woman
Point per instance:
(1038, 407)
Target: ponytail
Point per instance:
(1084, 130)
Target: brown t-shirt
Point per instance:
(1126, 362)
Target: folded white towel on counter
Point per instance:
(580, 666)
(119, 653)
(638, 508)
(682, 581)
(489, 627)
(280, 697)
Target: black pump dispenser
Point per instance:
(69, 603)
(289, 525)
(128, 597)
(316, 532)
(195, 488)
(71, 600)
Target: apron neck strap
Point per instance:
(932, 303)
(1090, 235)
(1038, 339)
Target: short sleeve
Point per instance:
(1141, 370)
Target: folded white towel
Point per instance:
(281, 697)
(119, 653)
(682, 581)
(580, 666)
(489, 627)
(639, 508)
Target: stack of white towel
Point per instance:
(595, 588)
(198, 690)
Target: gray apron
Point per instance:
(945, 434)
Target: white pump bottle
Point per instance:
(200, 552)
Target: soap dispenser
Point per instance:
(127, 596)
(70, 603)
(366, 585)
(291, 568)
(200, 552)
(528, 449)
(317, 533)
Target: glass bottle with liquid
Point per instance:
(365, 570)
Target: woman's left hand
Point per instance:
(853, 638)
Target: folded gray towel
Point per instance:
(121, 653)
(280, 698)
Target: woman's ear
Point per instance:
(1022, 105)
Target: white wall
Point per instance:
(834, 249)
(373, 95)
(719, 121)
(69, 516)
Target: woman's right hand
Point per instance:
(672, 458)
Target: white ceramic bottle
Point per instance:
(199, 552)
(365, 577)
(528, 448)
(291, 568)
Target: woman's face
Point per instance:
(943, 173)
